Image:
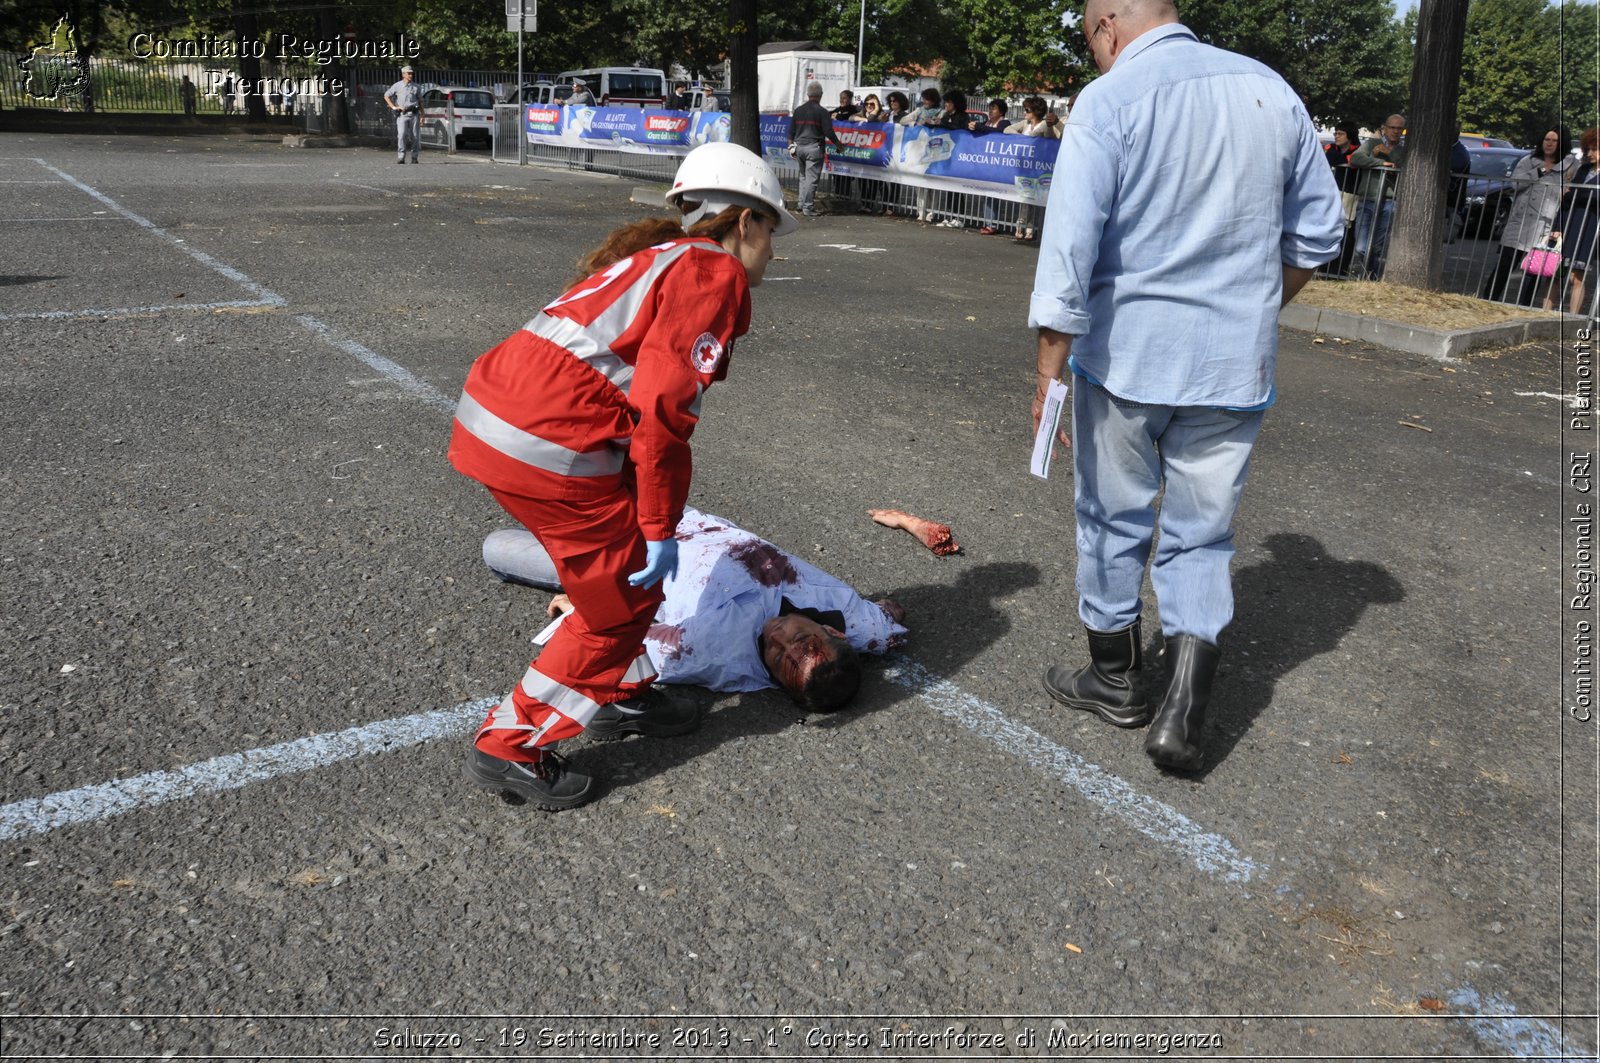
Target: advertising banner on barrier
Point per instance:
(989, 164)
(647, 131)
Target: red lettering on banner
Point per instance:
(660, 123)
(544, 114)
(860, 138)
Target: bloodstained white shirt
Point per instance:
(728, 584)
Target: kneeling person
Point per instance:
(740, 614)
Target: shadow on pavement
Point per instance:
(1289, 608)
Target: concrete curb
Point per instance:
(1435, 343)
(650, 196)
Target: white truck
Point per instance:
(783, 69)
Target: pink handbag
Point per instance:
(1541, 262)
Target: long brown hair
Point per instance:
(639, 235)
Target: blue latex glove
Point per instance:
(660, 561)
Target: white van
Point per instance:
(473, 111)
(622, 86)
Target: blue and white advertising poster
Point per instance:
(775, 140)
(992, 164)
(649, 131)
(543, 123)
(868, 148)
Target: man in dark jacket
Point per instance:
(679, 100)
(810, 129)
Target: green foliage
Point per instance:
(1509, 68)
(1578, 98)
(1349, 59)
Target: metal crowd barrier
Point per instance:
(1476, 262)
(1481, 258)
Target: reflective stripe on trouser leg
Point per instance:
(1117, 474)
(597, 655)
(1205, 458)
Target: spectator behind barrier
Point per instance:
(1037, 121)
(1537, 180)
(929, 113)
(953, 114)
(1580, 216)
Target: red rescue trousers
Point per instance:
(597, 654)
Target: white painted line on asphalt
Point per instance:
(402, 376)
(1571, 400)
(1496, 1022)
(358, 184)
(123, 311)
(88, 804)
(271, 298)
(1211, 853)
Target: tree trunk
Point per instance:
(1416, 251)
(246, 29)
(742, 74)
(335, 109)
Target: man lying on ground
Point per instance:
(740, 614)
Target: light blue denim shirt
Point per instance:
(1188, 177)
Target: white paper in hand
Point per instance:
(1044, 450)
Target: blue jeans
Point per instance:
(1372, 236)
(1122, 454)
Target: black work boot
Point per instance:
(1105, 685)
(549, 783)
(657, 713)
(1174, 739)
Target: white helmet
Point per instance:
(719, 175)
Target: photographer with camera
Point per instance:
(405, 99)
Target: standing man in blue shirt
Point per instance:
(404, 98)
(1161, 272)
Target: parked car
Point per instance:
(473, 111)
(1486, 199)
(697, 95)
(622, 86)
(544, 92)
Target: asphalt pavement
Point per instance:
(247, 636)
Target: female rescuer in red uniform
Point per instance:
(579, 426)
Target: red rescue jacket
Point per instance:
(611, 373)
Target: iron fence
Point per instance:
(1492, 223)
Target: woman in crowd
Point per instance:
(1346, 139)
(1537, 180)
(1579, 217)
(1037, 121)
(953, 110)
(579, 426)
(929, 113)
(872, 192)
(871, 110)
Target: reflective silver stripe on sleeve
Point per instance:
(641, 669)
(530, 449)
(592, 343)
(563, 699)
(582, 342)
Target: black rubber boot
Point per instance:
(549, 783)
(1105, 685)
(1174, 739)
(657, 713)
